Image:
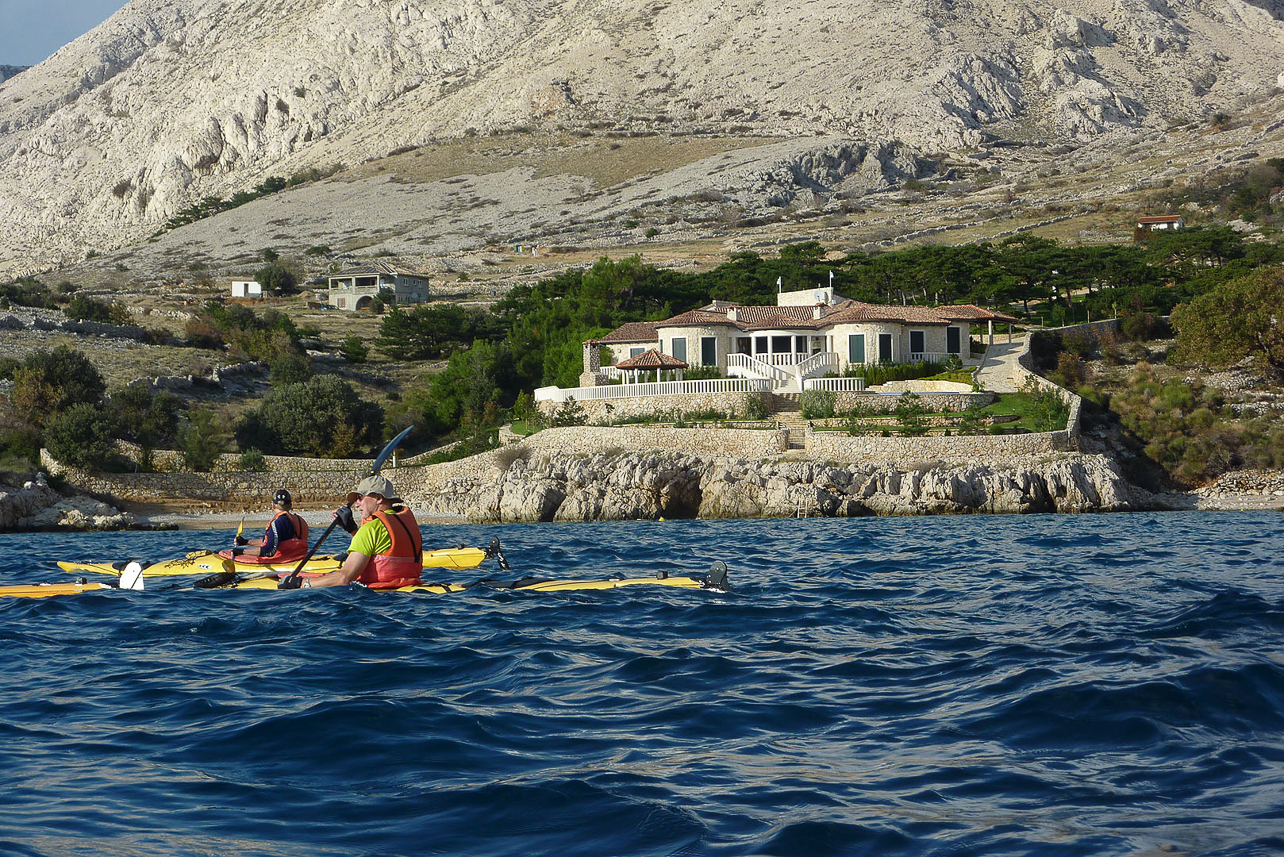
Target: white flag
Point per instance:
(779, 286)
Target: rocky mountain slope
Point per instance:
(170, 101)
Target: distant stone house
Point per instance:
(1146, 226)
(808, 334)
(246, 289)
(355, 288)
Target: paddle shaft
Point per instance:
(298, 568)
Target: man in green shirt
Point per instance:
(387, 550)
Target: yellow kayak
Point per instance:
(45, 590)
(206, 562)
(716, 578)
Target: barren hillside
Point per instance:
(170, 101)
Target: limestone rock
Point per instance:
(171, 101)
(649, 486)
(36, 506)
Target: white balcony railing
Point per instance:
(928, 357)
(745, 366)
(835, 385)
(818, 364)
(660, 388)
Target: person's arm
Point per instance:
(270, 539)
(350, 571)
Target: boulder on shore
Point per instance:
(37, 506)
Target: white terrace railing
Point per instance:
(818, 364)
(836, 385)
(613, 373)
(654, 388)
(929, 357)
(743, 364)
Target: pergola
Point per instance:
(650, 360)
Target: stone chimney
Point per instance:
(591, 375)
(732, 314)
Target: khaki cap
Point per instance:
(375, 485)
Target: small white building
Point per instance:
(246, 289)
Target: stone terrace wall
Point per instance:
(839, 447)
(885, 403)
(595, 410)
(172, 460)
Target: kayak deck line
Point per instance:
(715, 579)
(460, 558)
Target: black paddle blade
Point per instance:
(216, 580)
(717, 576)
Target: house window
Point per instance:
(856, 348)
(884, 348)
(678, 348)
(709, 350)
(916, 342)
(800, 345)
(744, 345)
(342, 303)
(760, 345)
(781, 344)
(953, 340)
(635, 350)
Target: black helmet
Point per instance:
(282, 498)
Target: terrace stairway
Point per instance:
(788, 413)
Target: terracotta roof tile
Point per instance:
(634, 331)
(971, 312)
(651, 359)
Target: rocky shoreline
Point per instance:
(644, 485)
(647, 486)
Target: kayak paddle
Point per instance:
(374, 469)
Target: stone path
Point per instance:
(999, 368)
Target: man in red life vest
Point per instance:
(286, 537)
(387, 550)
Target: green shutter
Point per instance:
(856, 348)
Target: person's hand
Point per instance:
(343, 515)
(290, 582)
(240, 540)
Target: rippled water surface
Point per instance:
(1050, 685)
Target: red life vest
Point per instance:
(295, 548)
(286, 551)
(404, 561)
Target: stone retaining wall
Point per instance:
(595, 410)
(886, 403)
(836, 446)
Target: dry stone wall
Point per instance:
(605, 410)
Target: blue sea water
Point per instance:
(988, 685)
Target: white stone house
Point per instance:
(807, 335)
(355, 288)
(1160, 223)
(246, 289)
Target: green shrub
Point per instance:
(755, 408)
(201, 440)
(321, 416)
(84, 308)
(81, 436)
(817, 404)
(253, 461)
(289, 368)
